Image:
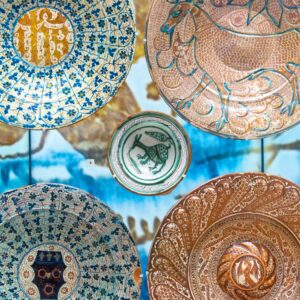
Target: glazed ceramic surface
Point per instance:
(150, 153)
(228, 67)
(235, 237)
(60, 61)
(58, 242)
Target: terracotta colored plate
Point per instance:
(58, 242)
(60, 61)
(235, 237)
(150, 153)
(230, 67)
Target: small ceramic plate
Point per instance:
(235, 237)
(228, 67)
(58, 242)
(150, 153)
(60, 61)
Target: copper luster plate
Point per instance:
(230, 67)
(235, 237)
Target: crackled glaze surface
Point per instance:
(60, 61)
(58, 242)
(149, 153)
(235, 237)
(228, 67)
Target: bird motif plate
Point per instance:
(58, 242)
(150, 153)
(60, 61)
(230, 67)
(235, 237)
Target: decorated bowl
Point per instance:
(150, 153)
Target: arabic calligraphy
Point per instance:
(43, 36)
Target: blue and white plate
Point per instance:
(60, 61)
(58, 242)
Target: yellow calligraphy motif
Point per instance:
(43, 36)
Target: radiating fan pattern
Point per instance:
(250, 216)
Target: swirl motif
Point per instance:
(247, 270)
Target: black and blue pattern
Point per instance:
(60, 215)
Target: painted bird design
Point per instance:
(158, 154)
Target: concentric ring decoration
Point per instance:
(235, 237)
(231, 68)
(58, 242)
(150, 153)
(60, 61)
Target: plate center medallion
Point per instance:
(43, 36)
(247, 272)
(49, 268)
(247, 266)
(49, 272)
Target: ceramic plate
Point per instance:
(149, 153)
(58, 242)
(230, 67)
(235, 237)
(60, 61)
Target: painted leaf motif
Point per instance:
(256, 7)
(273, 8)
(158, 136)
(275, 11)
(256, 270)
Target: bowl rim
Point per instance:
(160, 115)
